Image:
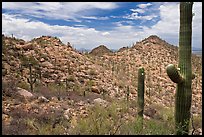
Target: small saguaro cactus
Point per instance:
(84, 92)
(140, 91)
(183, 74)
(128, 93)
(32, 78)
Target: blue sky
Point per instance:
(89, 24)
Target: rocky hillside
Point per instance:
(53, 61)
(100, 50)
(68, 82)
(154, 55)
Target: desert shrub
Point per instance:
(17, 127)
(71, 78)
(53, 90)
(156, 127)
(114, 120)
(195, 123)
(24, 85)
(9, 88)
(43, 123)
(48, 123)
(100, 121)
(92, 72)
(90, 83)
(26, 60)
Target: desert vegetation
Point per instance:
(49, 88)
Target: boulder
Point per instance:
(100, 102)
(42, 99)
(24, 92)
(95, 89)
(42, 60)
(55, 99)
(47, 64)
(28, 46)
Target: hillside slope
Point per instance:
(70, 82)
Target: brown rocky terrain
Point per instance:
(68, 82)
(154, 55)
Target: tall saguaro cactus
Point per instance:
(140, 91)
(183, 74)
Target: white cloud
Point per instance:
(168, 25)
(123, 34)
(138, 13)
(95, 18)
(197, 25)
(138, 10)
(105, 33)
(142, 6)
(54, 10)
(136, 16)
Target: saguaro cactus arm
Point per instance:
(174, 74)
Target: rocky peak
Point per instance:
(100, 50)
(122, 49)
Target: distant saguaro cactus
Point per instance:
(128, 93)
(140, 91)
(183, 74)
(32, 79)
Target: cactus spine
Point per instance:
(31, 80)
(140, 91)
(183, 74)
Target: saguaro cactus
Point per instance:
(140, 91)
(31, 80)
(128, 93)
(183, 74)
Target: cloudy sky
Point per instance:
(89, 24)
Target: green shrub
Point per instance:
(24, 85)
(100, 121)
(92, 72)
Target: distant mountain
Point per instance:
(122, 49)
(84, 50)
(100, 50)
(196, 49)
